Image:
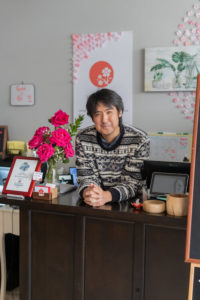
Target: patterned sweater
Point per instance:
(117, 169)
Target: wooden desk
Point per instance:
(72, 251)
(9, 223)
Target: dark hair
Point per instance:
(105, 96)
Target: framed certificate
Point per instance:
(20, 177)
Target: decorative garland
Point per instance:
(84, 44)
(188, 34)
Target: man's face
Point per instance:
(106, 120)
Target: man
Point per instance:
(109, 155)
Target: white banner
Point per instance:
(102, 60)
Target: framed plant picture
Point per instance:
(3, 140)
(20, 177)
(171, 68)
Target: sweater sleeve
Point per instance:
(131, 182)
(85, 168)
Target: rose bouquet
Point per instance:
(53, 146)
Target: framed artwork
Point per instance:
(193, 222)
(3, 140)
(20, 177)
(171, 68)
(22, 94)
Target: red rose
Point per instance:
(36, 141)
(60, 137)
(45, 151)
(69, 151)
(59, 118)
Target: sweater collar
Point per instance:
(110, 146)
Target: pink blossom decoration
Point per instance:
(191, 22)
(69, 151)
(179, 33)
(190, 13)
(180, 106)
(187, 43)
(59, 118)
(60, 137)
(187, 105)
(175, 100)
(176, 42)
(189, 117)
(45, 151)
(182, 39)
(181, 26)
(185, 111)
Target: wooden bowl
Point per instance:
(154, 206)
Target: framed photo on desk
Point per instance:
(20, 178)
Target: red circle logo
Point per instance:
(101, 74)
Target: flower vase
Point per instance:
(52, 174)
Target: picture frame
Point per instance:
(194, 287)
(22, 94)
(192, 253)
(171, 68)
(3, 140)
(20, 178)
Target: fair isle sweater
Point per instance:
(117, 169)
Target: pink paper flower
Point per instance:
(59, 118)
(42, 130)
(45, 151)
(60, 137)
(69, 151)
(35, 141)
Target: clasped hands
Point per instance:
(94, 195)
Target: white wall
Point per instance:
(36, 48)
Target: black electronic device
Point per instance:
(168, 183)
(151, 166)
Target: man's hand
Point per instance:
(93, 195)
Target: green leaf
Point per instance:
(164, 61)
(156, 67)
(181, 67)
(176, 57)
(66, 160)
(158, 76)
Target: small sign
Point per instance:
(37, 176)
(42, 189)
(22, 94)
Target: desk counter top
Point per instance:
(71, 203)
(110, 252)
